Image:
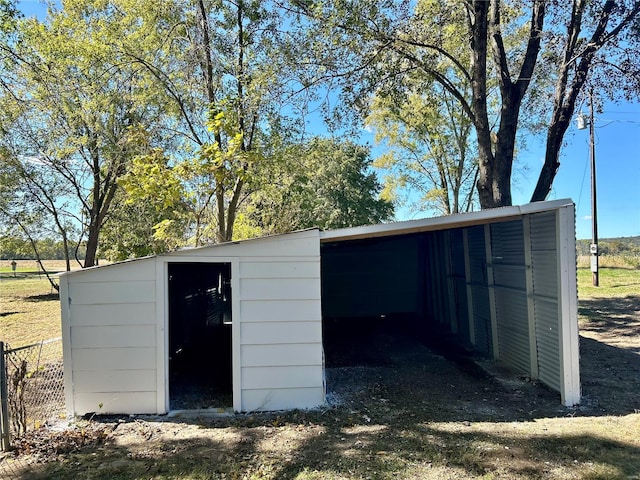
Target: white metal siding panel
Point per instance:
(570, 392)
(289, 310)
(113, 336)
(127, 402)
(113, 314)
(66, 346)
(117, 358)
(264, 333)
(115, 381)
(280, 268)
(281, 289)
(279, 324)
(280, 355)
(95, 293)
(289, 246)
(111, 319)
(283, 399)
(134, 270)
(281, 377)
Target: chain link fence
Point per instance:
(32, 394)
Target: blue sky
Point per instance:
(617, 145)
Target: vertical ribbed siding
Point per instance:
(513, 329)
(479, 290)
(459, 283)
(508, 262)
(436, 291)
(442, 284)
(544, 258)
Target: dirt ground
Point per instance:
(375, 404)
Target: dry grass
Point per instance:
(336, 445)
(29, 310)
(611, 261)
(26, 267)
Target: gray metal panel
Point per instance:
(507, 243)
(509, 278)
(545, 274)
(459, 283)
(442, 287)
(544, 260)
(477, 255)
(457, 252)
(548, 341)
(513, 328)
(479, 290)
(543, 231)
(482, 318)
(544, 254)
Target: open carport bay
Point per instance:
(494, 287)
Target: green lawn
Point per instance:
(614, 282)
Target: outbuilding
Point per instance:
(245, 324)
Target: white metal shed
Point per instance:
(503, 281)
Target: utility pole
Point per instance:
(594, 205)
(593, 248)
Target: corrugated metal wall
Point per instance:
(480, 308)
(509, 289)
(437, 267)
(496, 287)
(544, 261)
(459, 284)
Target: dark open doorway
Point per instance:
(200, 335)
(371, 299)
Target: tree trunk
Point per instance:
(92, 246)
(555, 134)
(567, 91)
(479, 36)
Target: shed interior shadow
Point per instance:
(199, 336)
(373, 295)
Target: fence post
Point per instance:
(5, 433)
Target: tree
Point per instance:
(33, 196)
(430, 149)
(223, 67)
(509, 44)
(77, 112)
(326, 183)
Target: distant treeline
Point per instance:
(49, 249)
(12, 248)
(625, 246)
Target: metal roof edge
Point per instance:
(186, 251)
(441, 223)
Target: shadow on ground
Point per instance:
(45, 297)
